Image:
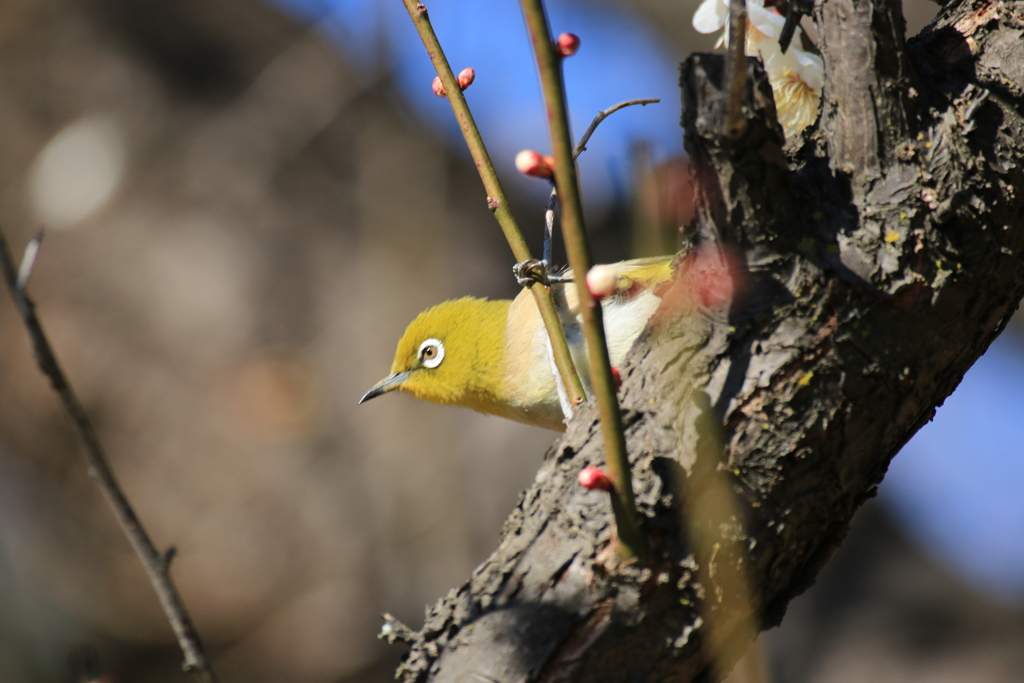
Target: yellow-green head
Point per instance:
(493, 356)
(452, 353)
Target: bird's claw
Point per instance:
(531, 271)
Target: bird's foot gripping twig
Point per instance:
(532, 271)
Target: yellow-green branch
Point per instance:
(496, 199)
(631, 540)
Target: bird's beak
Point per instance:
(389, 383)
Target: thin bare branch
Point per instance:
(581, 145)
(28, 261)
(154, 562)
(736, 70)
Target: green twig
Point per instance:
(631, 540)
(155, 563)
(496, 199)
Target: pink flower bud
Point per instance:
(466, 78)
(602, 281)
(438, 87)
(535, 164)
(594, 479)
(616, 377)
(567, 44)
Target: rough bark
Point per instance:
(881, 261)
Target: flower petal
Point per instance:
(711, 16)
(766, 21)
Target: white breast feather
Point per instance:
(625, 320)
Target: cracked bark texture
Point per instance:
(881, 261)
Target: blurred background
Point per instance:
(246, 202)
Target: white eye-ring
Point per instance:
(431, 353)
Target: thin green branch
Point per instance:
(157, 565)
(631, 540)
(496, 199)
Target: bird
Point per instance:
(493, 356)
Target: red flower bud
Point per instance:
(535, 164)
(438, 88)
(567, 44)
(616, 377)
(594, 479)
(466, 78)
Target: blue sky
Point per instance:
(619, 59)
(957, 485)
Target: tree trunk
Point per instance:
(880, 262)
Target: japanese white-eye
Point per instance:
(494, 356)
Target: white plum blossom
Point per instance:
(711, 16)
(796, 79)
(796, 76)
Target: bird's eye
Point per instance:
(431, 353)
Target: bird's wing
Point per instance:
(625, 313)
(639, 275)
